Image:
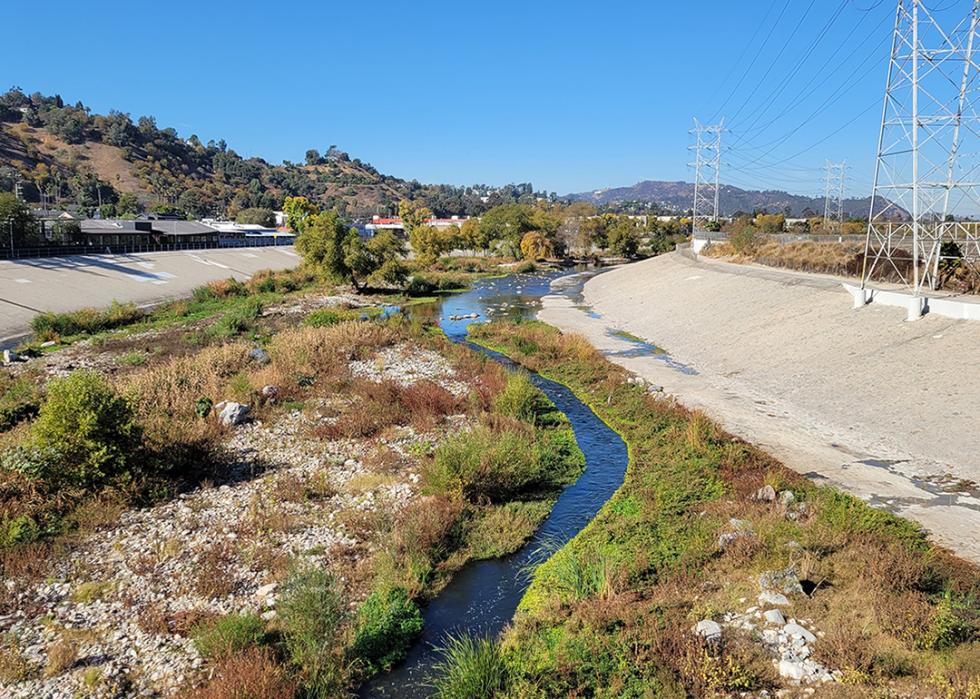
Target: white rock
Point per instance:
(708, 630)
(233, 414)
(786, 498)
(790, 669)
(766, 493)
(774, 616)
(797, 630)
(774, 599)
(266, 590)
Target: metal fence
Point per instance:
(83, 249)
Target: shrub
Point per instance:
(84, 434)
(743, 241)
(252, 674)
(229, 635)
(17, 531)
(20, 401)
(484, 463)
(387, 623)
(310, 611)
(48, 326)
(522, 400)
(321, 319)
(239, 319)
(471, 667)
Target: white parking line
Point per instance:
(23, 281)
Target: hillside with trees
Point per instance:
(58, 154)
(660, 197)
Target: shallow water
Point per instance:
(482, 597)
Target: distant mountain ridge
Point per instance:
(677, 197)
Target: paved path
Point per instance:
(881, 407)
(69, 283)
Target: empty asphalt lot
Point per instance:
(28, 287)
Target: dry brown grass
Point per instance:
(61, 656)
(378, 405)
(14, 667)
(252, 674)
(213, 578)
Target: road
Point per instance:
(28, 287)
(862, 399)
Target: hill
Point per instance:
(58, 154)
(677, 197)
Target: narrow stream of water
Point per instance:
(482, 597)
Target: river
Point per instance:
(483, 595)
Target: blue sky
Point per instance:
(568, 95)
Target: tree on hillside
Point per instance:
(312, 157)
(299, 211)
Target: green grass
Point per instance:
(502, 529)
(471, 667)
(650, 558)
(228, 635)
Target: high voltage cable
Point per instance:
(807, 90)
(769, 101)
(758, 53)
(775, 60)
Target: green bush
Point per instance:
(321, 319)
(228, 635)
(20, 401)
(743, 242)
(84, 434)
(310, 611)
(48, 326)
(203, 294)
(238, 320)
(471, 668)
(522, 400)
(484, 463)
(17, 531)
(387, 623)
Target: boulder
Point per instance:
(786, 498)
(766, 493)
(259, 356)
(232, 413)
(775, 599)
(270, 393)
(774, 616)
(797, 631)
(784, 580)
(709, 630)
(791, 670)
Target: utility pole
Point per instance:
(833, 202)
(707, 171)
(922, 192)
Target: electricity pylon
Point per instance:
(833, 201)
(707, 171)
(925, 182)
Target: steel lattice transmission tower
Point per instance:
(707, 171)
(925, 181)
(833, 202)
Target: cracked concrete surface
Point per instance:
(885, 409)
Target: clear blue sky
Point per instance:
(568, 95)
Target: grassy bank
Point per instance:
(685, 539)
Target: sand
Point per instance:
(886, 409)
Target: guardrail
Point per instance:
(69, 250)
